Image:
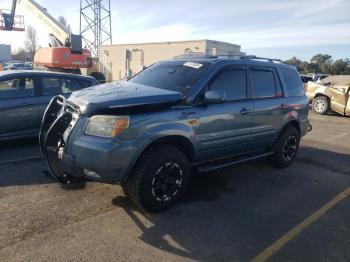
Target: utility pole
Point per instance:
(95, 24)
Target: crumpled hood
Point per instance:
(121, 95)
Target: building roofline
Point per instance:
(170, 42)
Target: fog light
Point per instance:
(91, 173)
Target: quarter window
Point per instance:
(233, 82)
(293, 82)
(264, 84)
(70, 85)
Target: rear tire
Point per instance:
(285, 148)
(159, 179)
(320, 105)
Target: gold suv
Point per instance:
(330, 94)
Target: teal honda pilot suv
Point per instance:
(196, 112)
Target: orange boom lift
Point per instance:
(65, 52)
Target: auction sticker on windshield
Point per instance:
(193, 65)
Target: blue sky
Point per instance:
(273, 28)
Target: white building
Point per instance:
(123, 60)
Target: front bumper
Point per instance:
(73, 156)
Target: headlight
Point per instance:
(107, 126)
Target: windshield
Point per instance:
(178, 76)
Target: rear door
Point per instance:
(269, 108)
(18, 106)
(224, 128)
(347, 108)
(339, 97)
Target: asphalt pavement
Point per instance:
(246, 212)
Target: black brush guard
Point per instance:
(55, 121)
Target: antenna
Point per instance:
(95, 24)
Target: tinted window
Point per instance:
(233, 82)
(59, 85)
(85, 83)
(16, 88)
(51, 86)
(70, 85)
(293, 82)
(264, 84)
(172, 75)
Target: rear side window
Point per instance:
(264, 83)
(70, 85)
(233, 82)
(60, 85)
(51, 86)
(293, 82)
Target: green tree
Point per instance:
(340, 67)
(321, 63)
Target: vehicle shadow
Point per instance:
(21, 163)
(332, 161)
(28, 172)
(233, 214)
(18, 143)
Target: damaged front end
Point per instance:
(58, 117)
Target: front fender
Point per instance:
(162, 131)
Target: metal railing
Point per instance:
(18, 21)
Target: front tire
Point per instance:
(320, 105)
(159, 179)
(285, 148)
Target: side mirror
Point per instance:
(214, 96)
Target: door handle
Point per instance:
(244, 111)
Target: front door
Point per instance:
(18, 106)
(224, 128)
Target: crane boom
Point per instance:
(52, 25)
(13, 11)
(66, 54)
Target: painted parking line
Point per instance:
(277, 245)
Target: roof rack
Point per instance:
(195, 54)
(261, 58)
(237, 56)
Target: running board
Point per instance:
(212, 166)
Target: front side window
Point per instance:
(264, 84)
(232, 82)
(16, 88)
(178, 76)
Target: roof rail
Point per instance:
(261, 58)
(237, 56)
(196, 54)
